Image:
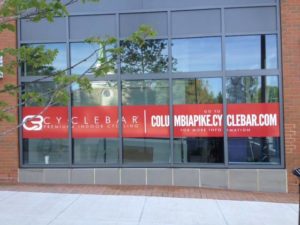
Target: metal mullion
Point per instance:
(281, 94)
(195, 35)
(144, 77)
(119, 83)
(254, 33)
(153, 10)
(197, 74)
(34, 78)
(70, 142)
(225, 136)
(171, 124)
(242, 73)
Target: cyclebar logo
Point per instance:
(33, 122)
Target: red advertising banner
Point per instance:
(146, 121)
(41, 123)
(94, 121)
(253, 120)
(201, 120)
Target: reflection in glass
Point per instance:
(243, 52)
(143, 150)
(142, 93)
(271, 51)
(150, 57)
(96, 150)
(145, 92)
(252, 89)
(103, 93)
(82, 51)
(59, 63)
(40, 93)
(196, 54)
(251, 52)
(197, 91)
(45, 151)
(198, 150)
(258, 89)
(254, 150)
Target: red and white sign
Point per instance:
(203, 120)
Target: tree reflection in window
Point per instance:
(197, 91)
(252, 89)
(149, 57)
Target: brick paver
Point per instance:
(165, 191)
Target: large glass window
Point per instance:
(150, 57)
(254, 136)
(94, 124)
(59, 63)
(251, 52)
(47, 146)
(198, 132)
(196, 54)
(145, 121)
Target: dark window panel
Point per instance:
(45, 151)
(143, 150)
(199, 150)
(254, 150)
(95, 150)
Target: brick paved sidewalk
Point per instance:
(181, 192)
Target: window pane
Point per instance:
(89, 53)
(243, 52)
(251, 52)
(253, 119)
(254, 150)
(198, 150)
(145, 121)
(45, 151)
(145, 92)
(252, 89)
(59, 63)
(103, 93)
(197, 91)
(196, 54)
(40, 94)
(197, 131)
(150, 57)
(271, 51)
(94, 123)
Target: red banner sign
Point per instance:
(203, 120)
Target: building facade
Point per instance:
(210, 101)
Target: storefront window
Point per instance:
(150, 57)
(196, 54)
(198, 125)
(145, 121)
(94, 124)
(253, 119)
(59, 63)
(251, 52)
(86, 55)
(42, 144)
